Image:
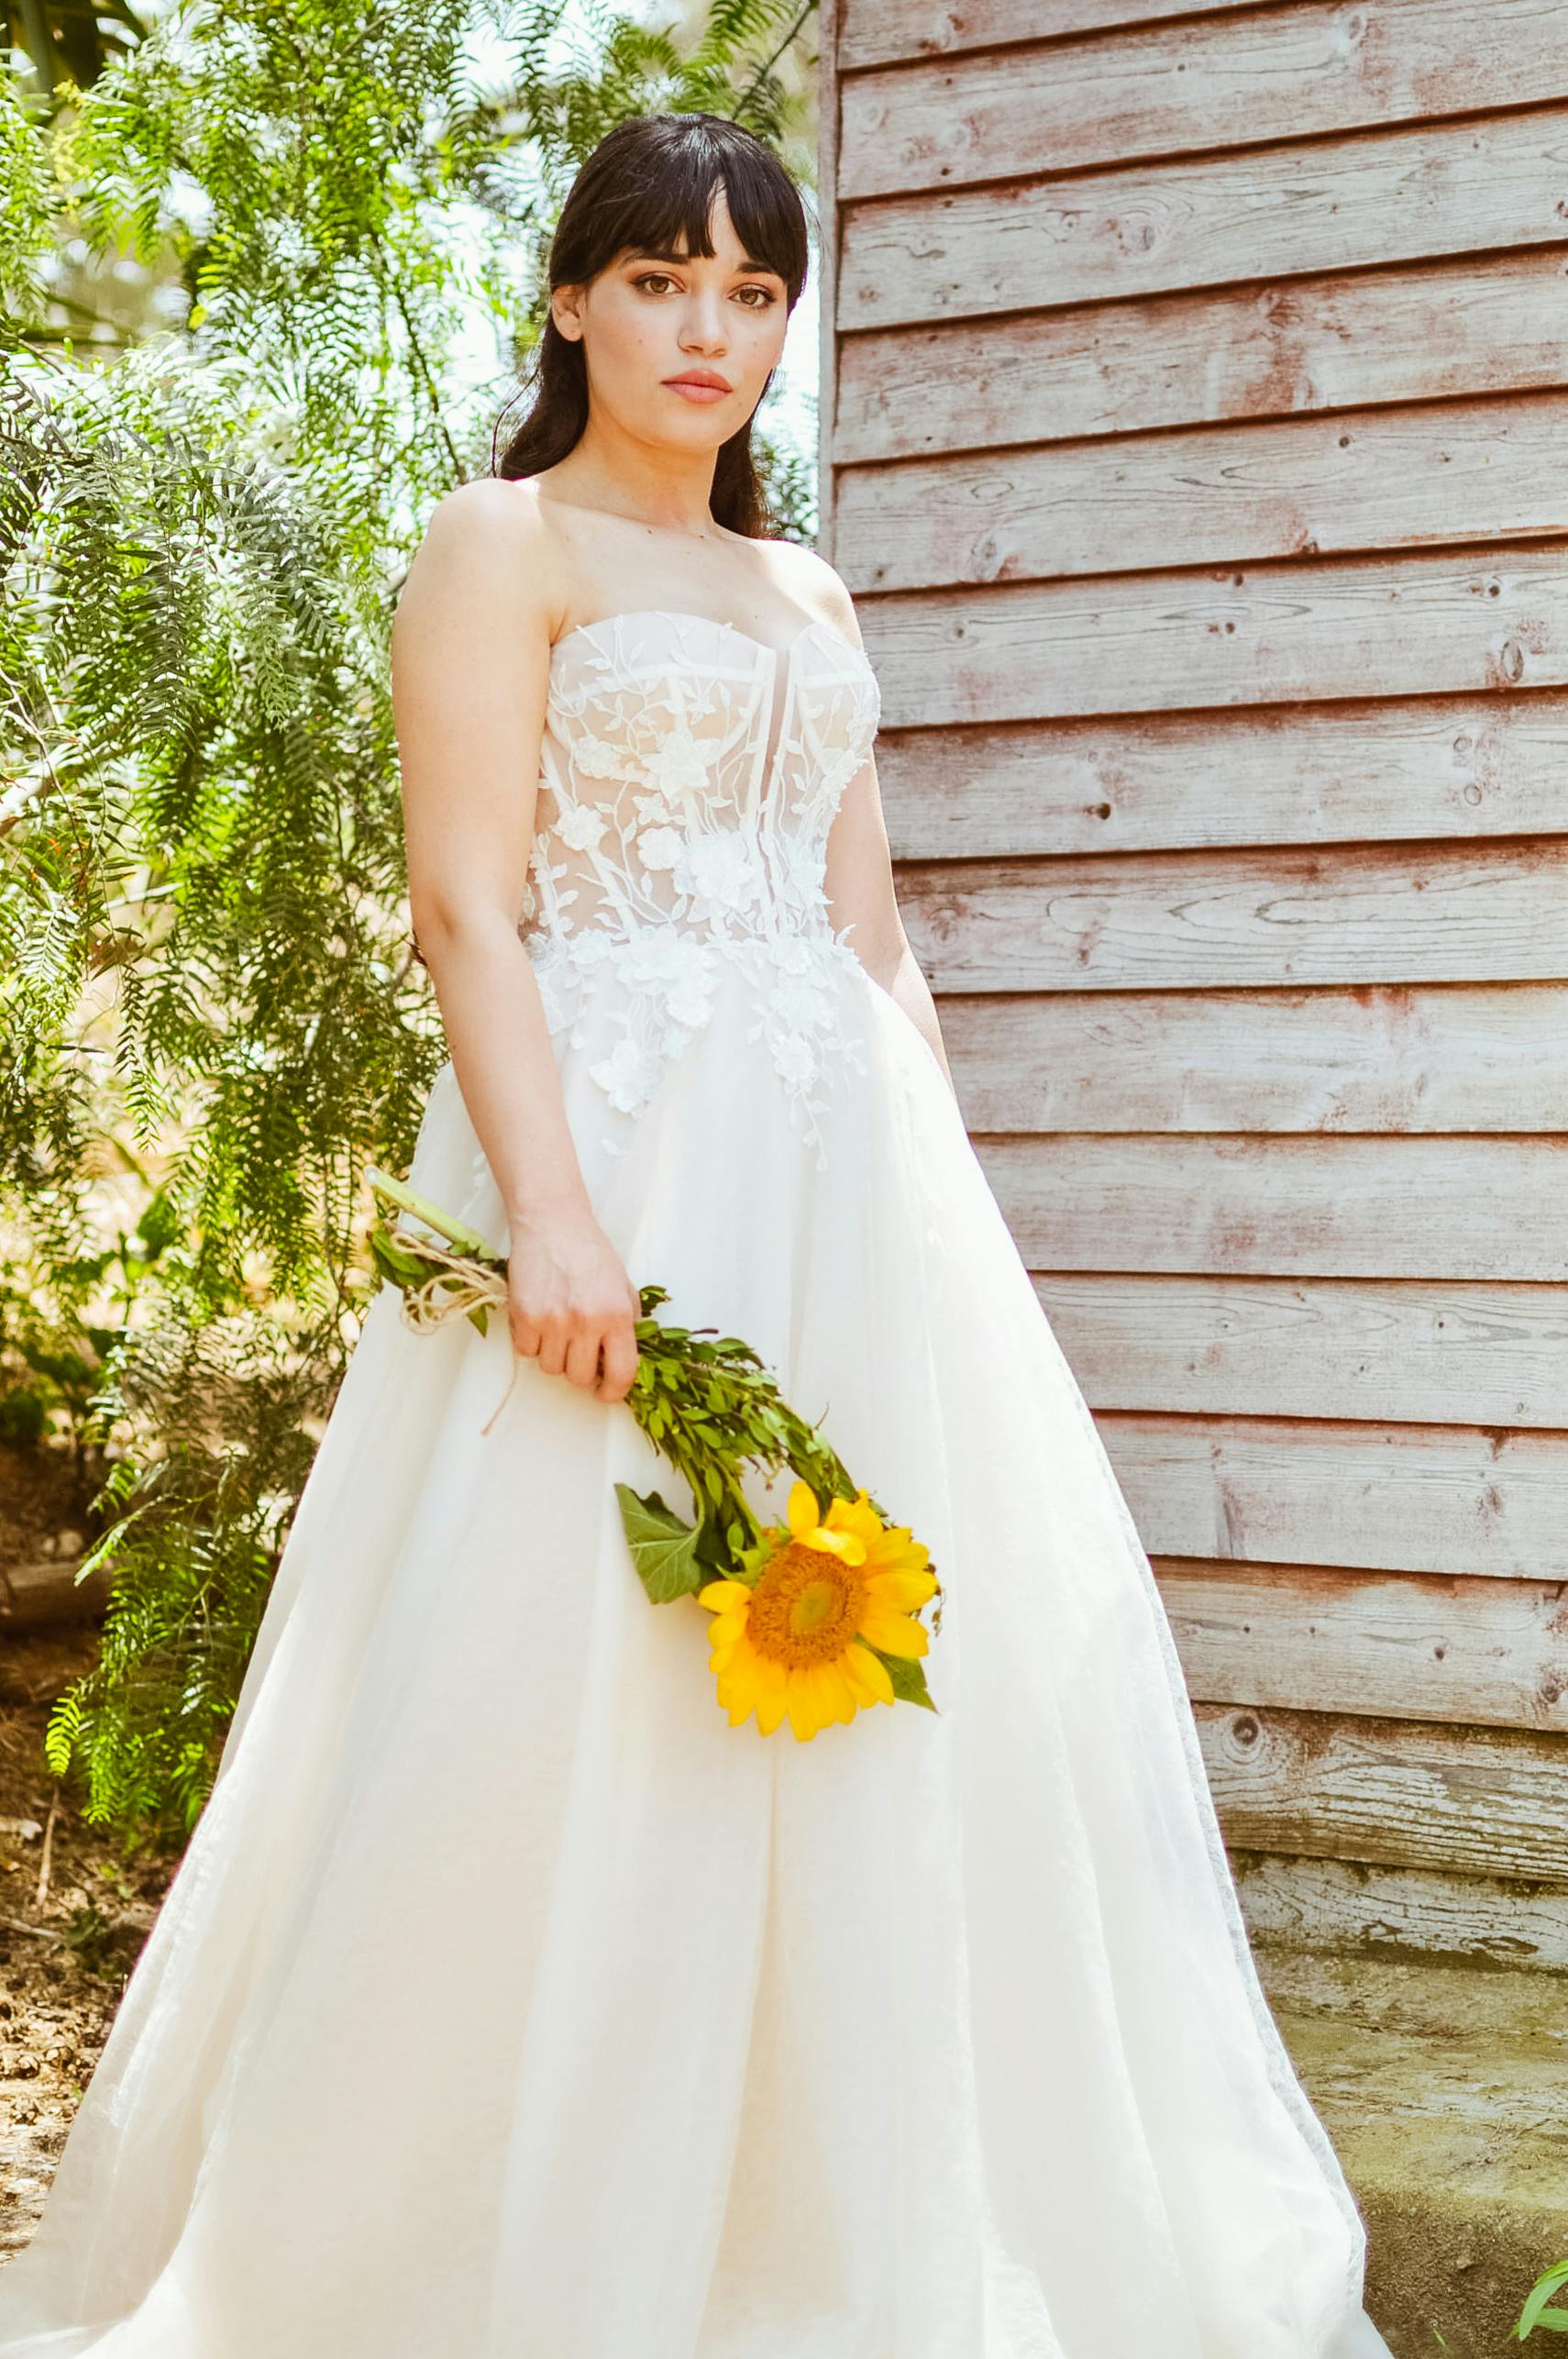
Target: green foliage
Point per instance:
(707, 1402)
(198, 1519)
(1538, 2310)
(663, 1546)
(211, 1019)
(621, 67)
(27, 217)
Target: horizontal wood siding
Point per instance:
(1382, 1058)
(1370, 199)
(1496, 323)
(1422, 1794)
(1359, 480)
(1383, 770)
(1248, 79)
(1388, 1350)
(871, 31)
(1196, 445)
(1346, 1906)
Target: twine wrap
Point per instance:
(457, 1285)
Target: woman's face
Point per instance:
(679, 347)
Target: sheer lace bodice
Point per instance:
(689, 776)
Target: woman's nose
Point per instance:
(704, 324)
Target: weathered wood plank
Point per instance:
(1389, 1349)
(1464, 1057)
(1459, 1499)
(1497, 324)
(1232, 80)
(1386, 479)
(1343, 1906)
(1354, 914)
(1375, 198)
(1315, 629)
(875, 31)
(46, 1594)
(1488, 1653)
(1394, 1793)
(1470, 765)
(830, 39)
(1287, 1207)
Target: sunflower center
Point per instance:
(806, 1608)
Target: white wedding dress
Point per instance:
(509, 2003)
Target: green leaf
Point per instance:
(396, 1261)
(907, 1673)
(1535, 2312)
(664, 1547)
(720, 1540)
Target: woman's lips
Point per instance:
(697, 392)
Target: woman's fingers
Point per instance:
(619, 1356)
(580, 1365)
(598, 1353)
(572, 1307)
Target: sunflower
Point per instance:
(799, 1637)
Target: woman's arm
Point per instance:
(860, 887)
(861, 891)
(471, 677)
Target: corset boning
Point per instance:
(689, 776)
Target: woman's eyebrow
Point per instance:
(683, 254)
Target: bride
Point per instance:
(875, 2034)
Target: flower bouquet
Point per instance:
(813, 1618)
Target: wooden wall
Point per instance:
(1196, 445)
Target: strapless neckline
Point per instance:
(780, 663)
(680, 617)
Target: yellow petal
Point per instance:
(802, 1720)
(872, 1676)
(893, 1633)
(733, 1690)
(831, 1694)
(843, 1544)
(846, 1697)
(857, 1515)
(802, 1508)
(899, 1591)
(716, 1595)
(770, 1711)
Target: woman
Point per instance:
(884, 2034)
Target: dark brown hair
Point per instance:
(651, 182)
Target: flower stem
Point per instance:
(461, 1239)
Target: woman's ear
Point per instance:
(565, 310)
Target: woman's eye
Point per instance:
(656, 282)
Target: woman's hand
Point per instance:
(571, 1305)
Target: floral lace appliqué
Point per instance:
(689, 776)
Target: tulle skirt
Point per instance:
(510, 2004)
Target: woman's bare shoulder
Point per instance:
(491, 520)
(487, 542)
(807, 580)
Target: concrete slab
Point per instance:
(1445, 2087)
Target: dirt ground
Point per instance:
(74, 1913)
